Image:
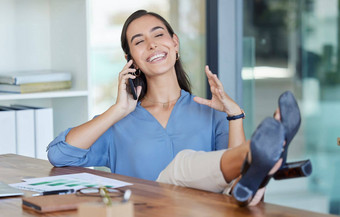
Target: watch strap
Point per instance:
(235, 117)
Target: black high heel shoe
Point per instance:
(291, 120)
(265, 149)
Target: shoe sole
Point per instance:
(290, 119)
(266, 148)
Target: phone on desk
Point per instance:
(131, 88)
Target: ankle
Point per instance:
(232, 161)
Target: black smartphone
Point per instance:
(131, 84)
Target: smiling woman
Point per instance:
(141, 137)
(142, 44)
(187, 18)
(167, 134)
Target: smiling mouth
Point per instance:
(157, 57)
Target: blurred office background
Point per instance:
(286, 45)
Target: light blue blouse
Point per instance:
(139, 146)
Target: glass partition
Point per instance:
(297, 49)
(248, 84)
(320, 66)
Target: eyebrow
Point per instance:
(139, 35)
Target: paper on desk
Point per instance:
(71, 181)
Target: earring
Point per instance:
(177, 55)
(138, 72)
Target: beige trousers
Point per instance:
(196, 169)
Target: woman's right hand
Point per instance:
(125, 102)
(85, 135)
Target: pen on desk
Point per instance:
(59, 192)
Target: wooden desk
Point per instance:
(157, 199)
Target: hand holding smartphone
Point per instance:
(131, 84)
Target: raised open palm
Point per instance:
(220, 99)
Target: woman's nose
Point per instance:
(152, 45)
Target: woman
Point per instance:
(141, 138)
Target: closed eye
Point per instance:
(159, 35)
(138, 42)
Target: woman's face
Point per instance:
(152, 48)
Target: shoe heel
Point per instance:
(294, 170)
(242, 194)
(265, 149)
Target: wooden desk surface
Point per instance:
(156, 199)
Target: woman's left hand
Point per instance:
(220, 99)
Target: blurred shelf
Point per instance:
(42, 95)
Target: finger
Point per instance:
(210, 76)
(215, 91)
(139, 90)
(124, 80)
(127, 76)
(221, 95)
(127, 68)
(217, 81)
(126, 71)
(211, 82)
(128, 64)
(208, 72)
(213, 77)
(202, 101)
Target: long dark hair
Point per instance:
(182, 76)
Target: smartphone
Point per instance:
(131, 84)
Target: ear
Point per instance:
(176, 42)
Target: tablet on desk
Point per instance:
(8, 191)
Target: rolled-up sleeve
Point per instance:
(60, 153)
